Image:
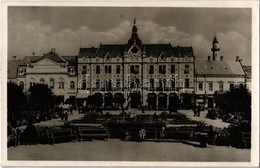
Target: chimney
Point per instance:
(237, 58)
(208, 58)
(53, 50)
(221, 58)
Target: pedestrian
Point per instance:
(162, 133)
(70, 109)
(66, 115)
(198, 111)
(194, 110)
(142, 134)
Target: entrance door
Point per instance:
(210, 102)
(135, 100)
(162, 101)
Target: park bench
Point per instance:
(181, 133)
(246, 139)
(133, 133)
(61, 134)
(93, 132)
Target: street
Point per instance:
(116, 150)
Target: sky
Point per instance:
(38, 29)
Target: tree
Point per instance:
(16, 102)
(237, 102)
(41, 99)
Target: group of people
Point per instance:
(142, 134)
(65, 110)
(197, 108)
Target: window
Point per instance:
(21, 85)
(72, 85)
(84, 84)
(72, 70)
(173, 84)
(32, 84)
(51, 83)
(41, 81)
(61, 85)
(84, 69)
(200, 86)
(97, 69)
(108, 83)
(134, 69)
(172, 68)
(108, 69)
(186, 70)
(162, 69)
(187, 83)
(231, 86)
(151, 70)
(210, 86)
(162, 83)
(118, 69)
(151, 82)
(221, 87)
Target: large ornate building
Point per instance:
(152, 76)
(143, 74)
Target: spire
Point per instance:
(134, 38)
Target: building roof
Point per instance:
(110, 50)
(248, 71)
(154, 50)
(12, 68)
(28, 59)
(218, 68)
(52, 55)
(88, 52)
(72, 60)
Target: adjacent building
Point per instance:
(215, 76)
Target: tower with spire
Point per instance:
(134, 37)
(215, 49)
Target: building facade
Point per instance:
(147, 75)
(58, 72)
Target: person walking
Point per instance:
(142, 134)
(162, 133)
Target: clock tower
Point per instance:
(215, 48)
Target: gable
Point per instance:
(46, 62)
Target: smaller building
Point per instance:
(215, 76)
(58, 72)
(248, 72)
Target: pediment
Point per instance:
(46, 62)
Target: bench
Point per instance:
(181, 133)
(62, 134)
(133, 133)
(246, 139)
(93, 132)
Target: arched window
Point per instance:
(61, 85)
(41, 81)
(51, 83)
(186, 70)
(72, 70)
(84, 69)
(32, 82)
(21, 85)
(72, 85)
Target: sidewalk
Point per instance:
(216, 123)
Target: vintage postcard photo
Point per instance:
(131, 85)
